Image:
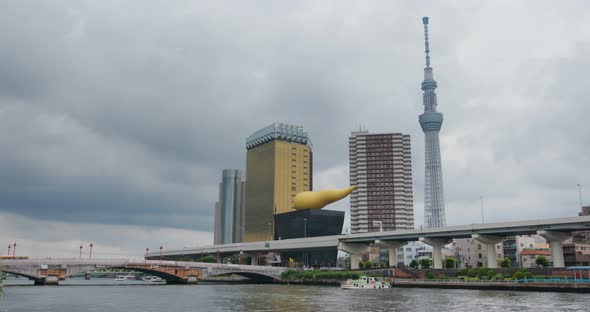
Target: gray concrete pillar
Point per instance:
(355, 260)
(556, 242)
(356, 250)
(392, 247)
(437, 244)
(490, 241)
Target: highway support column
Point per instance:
(437, 245)
(356, 251)
(392, 247)
(556, 243)
(490, 241)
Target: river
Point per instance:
(100, 295)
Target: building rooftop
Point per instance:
(278, 131)
(535, 253)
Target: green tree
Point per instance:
(414, 264)
(425, 263)
(542, 261)
(210, 259)
(505, 263)
(429, 274)
(450, 263)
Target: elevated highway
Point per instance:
(554, 230)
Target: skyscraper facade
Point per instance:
(229, 209)
(381, 167)
(431, 122)
(278, 166)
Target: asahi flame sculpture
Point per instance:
(319, 199)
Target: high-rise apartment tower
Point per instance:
(431, 122)
(278, 166)
(381, 167)
(229, 209)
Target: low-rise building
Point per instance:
(576, 254)
(471, 253)
(528, 257)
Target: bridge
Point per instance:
(50, 271)
(554, 230)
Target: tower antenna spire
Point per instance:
(426, 45)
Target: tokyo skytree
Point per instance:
(431, 122)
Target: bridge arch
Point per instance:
(259, 277)
(31, 277)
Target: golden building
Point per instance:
(278, 166)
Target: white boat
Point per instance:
(152, 279)
(125, 277)
(365, 282)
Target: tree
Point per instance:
(414, 264)
(542, 261)
(209, 258)
(505, 263)
(450, 263)
(425, 263)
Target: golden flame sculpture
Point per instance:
(319, 199)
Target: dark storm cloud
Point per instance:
(126, 112)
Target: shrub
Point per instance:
(472, 272)
(505, 263)
(414, 264)
(450, 263)
(425, 263)
(429, 274)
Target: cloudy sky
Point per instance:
(117, 117)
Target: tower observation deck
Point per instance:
(431, 122)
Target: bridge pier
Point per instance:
(392, 247)
(356, 251)
(437, 245)
(47, 280)
(490, 241)
(556, 243)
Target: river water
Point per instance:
(99, 295)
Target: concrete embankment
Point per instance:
(511, 286)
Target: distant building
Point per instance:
(279, 165)
(471, 253)
(582, 237)
(412, 251)
(576, 254)
(528, 258)
(381, 167)
(229, 209)
(514, 245)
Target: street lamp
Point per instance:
(580, 194)
(90, 256)
(481, 204)
(80, 256)
(9, 246)
(304, 227)
(146, 252)
(161, 247)
(380, 223)
(14, 250)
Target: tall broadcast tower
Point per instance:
(431, 121)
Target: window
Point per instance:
(479, 255)
(293, 189)
(408, 249)
(479, 246)
(521, 244)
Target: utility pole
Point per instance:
(580, 194)
(481, 204)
